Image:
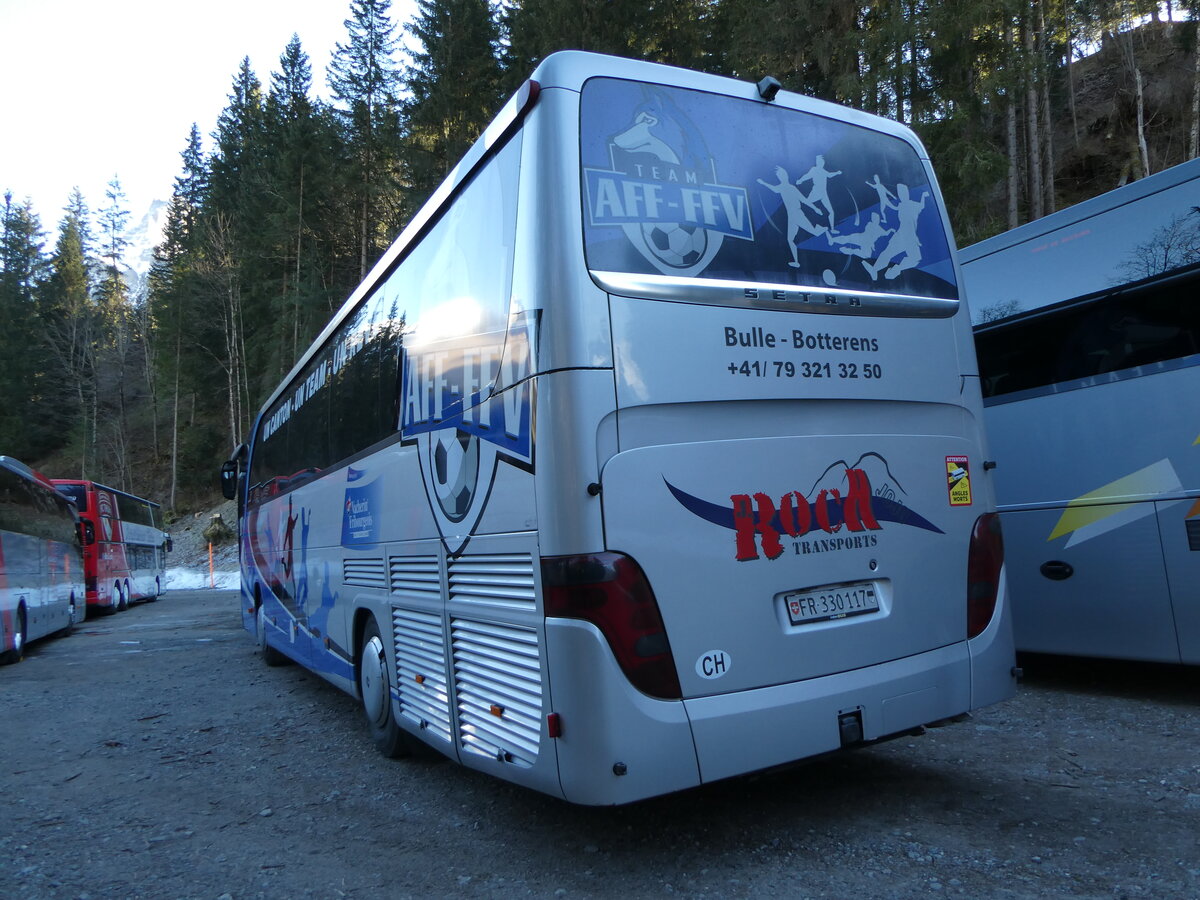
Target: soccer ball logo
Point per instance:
(454, 465)
(678, 246)
(661, 136)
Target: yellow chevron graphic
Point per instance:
(1091, 508)
(1076, 517)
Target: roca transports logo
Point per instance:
(841, 511)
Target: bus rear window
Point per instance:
(687, 184)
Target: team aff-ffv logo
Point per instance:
(662, 190)
(467, 403)
(842, 502)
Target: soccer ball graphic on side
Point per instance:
(454, 465)
(678, 246)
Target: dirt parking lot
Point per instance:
(153, 755)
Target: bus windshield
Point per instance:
(685, 183)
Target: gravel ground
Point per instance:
(153, 755)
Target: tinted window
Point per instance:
(1122, 331)
(686, 183)
(364, 390)
(13, 501)
(448, 296)
(27, 507)
(134, 510)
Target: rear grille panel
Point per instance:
(420, 642)
(498, 685)
(501, 580)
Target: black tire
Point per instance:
(270, 655)
(20, 633)
(375, 689)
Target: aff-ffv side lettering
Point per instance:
(753, 515)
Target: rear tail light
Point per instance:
(984, 562)
(610, 591)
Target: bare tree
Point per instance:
(1033, 143)
(220, 273)
(1194, 141)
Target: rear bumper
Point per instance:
(660, 746)
(751, 730)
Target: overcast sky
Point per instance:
(90, 89)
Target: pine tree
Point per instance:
(24, 429)
(233, 272)
(812, 46)
(117, 362)
(69, 321)
(680, 33)
(78, 210)
(302, 218)
(173, 297)
(364, 79)
(537, 28)
(454, 83)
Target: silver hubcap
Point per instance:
(373, 680)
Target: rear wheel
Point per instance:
(19, 634)
(120, 598)
(375, 688)
(270, 655)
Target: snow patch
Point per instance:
(183, 579)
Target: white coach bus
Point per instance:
(1088, 334)
(41, 564)
(649, 454)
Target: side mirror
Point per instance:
(170, 545)
(229, 479)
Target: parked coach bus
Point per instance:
(1089, 344)
(648, 455)
(124, 546)
(41, 567)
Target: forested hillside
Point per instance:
(1025, 106)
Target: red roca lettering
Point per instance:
(756, 516)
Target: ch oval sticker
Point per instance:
(714, 664)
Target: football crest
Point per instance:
(662, 190)
(467, 403)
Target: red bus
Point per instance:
(41, 572)
(124, 546)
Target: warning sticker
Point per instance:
(958, 480)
